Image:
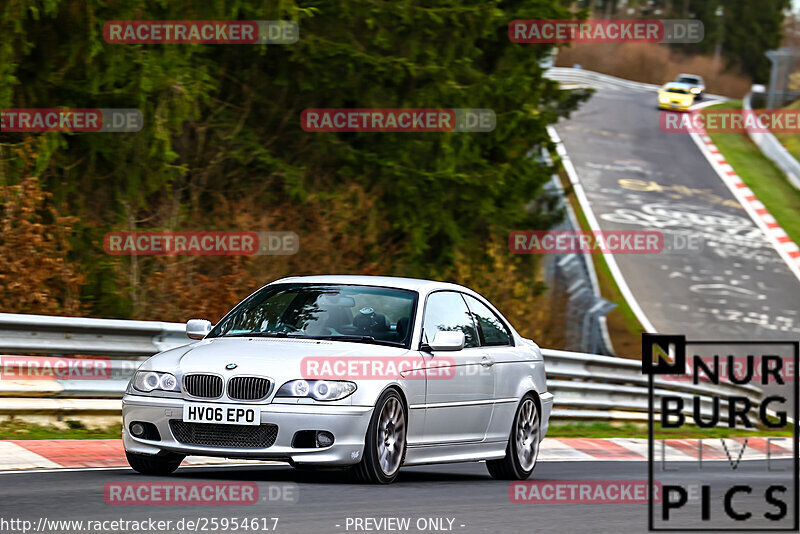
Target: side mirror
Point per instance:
(197, 328)
(447, 341)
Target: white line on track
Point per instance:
(583, 200)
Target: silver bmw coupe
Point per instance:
(359, 372)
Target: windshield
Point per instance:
(687, 79)
(677, 90)
(345, 312)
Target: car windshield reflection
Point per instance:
(365, 314)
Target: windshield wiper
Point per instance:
(256, 333)
(333, 337)
(359, 339)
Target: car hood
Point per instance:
(277, 358)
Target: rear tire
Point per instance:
(385, 442)
(160, 465)
(523, 444)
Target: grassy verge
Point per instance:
(639, 430)
(623, 326)
(761, 175)
(16, 429)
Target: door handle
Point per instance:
(487, 361)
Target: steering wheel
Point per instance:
(349, 330)
(285, 328)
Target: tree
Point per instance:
(744, 29)
(222, 141)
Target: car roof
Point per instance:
(677, 85)
(413, 284)
(695, 76)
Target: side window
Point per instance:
(447, 311)
(492, 329)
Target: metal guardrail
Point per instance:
(586, 386)
(606, 387)
(568, 75)
(573, 278)
(773, 149)
(43, 334)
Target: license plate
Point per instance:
(221, 414)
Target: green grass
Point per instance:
(765, 179)
(17, 429)
(639, 430)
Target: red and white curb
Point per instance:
(788, 250)
(108, 453)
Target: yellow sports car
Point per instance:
(677, 96)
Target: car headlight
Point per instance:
(321, 390)
(695, 90)
(663, 99)
(148, 381)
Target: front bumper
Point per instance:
(348, 424)
(674, 106)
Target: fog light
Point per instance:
(144, 430)
(324, 439)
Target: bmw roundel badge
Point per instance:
(231, 366)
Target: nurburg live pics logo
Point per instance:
(762, 495)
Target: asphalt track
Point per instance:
(734, 285)
(324, 501)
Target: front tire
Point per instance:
(385, 442)
(158, 465)
(523, 444)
